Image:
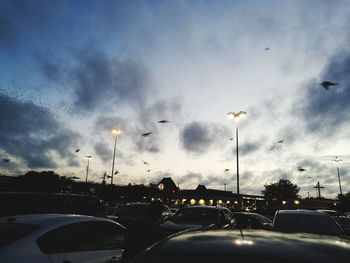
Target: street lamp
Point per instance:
(88, 157)
(236, 116)
(337, 160)
(115, 132)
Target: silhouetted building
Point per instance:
(204, 196)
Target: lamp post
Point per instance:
(337, 160)
(88, 157)
(115, 132)
(237, 116)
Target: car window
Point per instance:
(111, 235)
(318, 224)
(10, 232)
(196, 215)
(82, 236)
(260, 219)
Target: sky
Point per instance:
(71, 71)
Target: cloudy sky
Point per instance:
(71, 71)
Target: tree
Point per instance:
(284, 189)
(344, 201)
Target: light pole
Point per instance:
(337, 160)
(88, 157)
(116, 132)
(237, 116)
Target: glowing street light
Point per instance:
(337, 160)
(115, 132)
(88, 157)
(236, 116)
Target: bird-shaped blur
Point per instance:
(267, 49)
(231, 139)
(226, 170)
(148, 170)
(163, 121)
(77, 150)
(146, 134)
(6, 160)
(301, 169)
(280, 141)
(145, 163)
(327, 84)
(116, 172)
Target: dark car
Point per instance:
(247, 246)
(132, 211)
(306, 221)
(197, 217)
(246, 220)
(21, 203)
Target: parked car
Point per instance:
(196, 217)
(250, 246)
(246, 220)
(132, 211)
(306, 221)
(22, 203)
(57, 238)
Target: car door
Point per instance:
(111, 239)
(74, 243)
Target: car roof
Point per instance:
(302, 212)
(246, 213)
(223, 246)
(49, 219)
(201, 207)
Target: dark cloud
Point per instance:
(198, 137)
(103, 151)
(147, 121)
(326, 111)
(169, 109)
(52, 69)
(193, 176)
(29, 132)
(97, 80)
(100, 79)
(218, 180)
(248, 148)
(163, 109)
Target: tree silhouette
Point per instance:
(344, 200)
(284, 189)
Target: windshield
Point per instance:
(200, 216)
(316, 224)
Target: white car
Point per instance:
(56, 238)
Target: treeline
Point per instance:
(50, 182)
